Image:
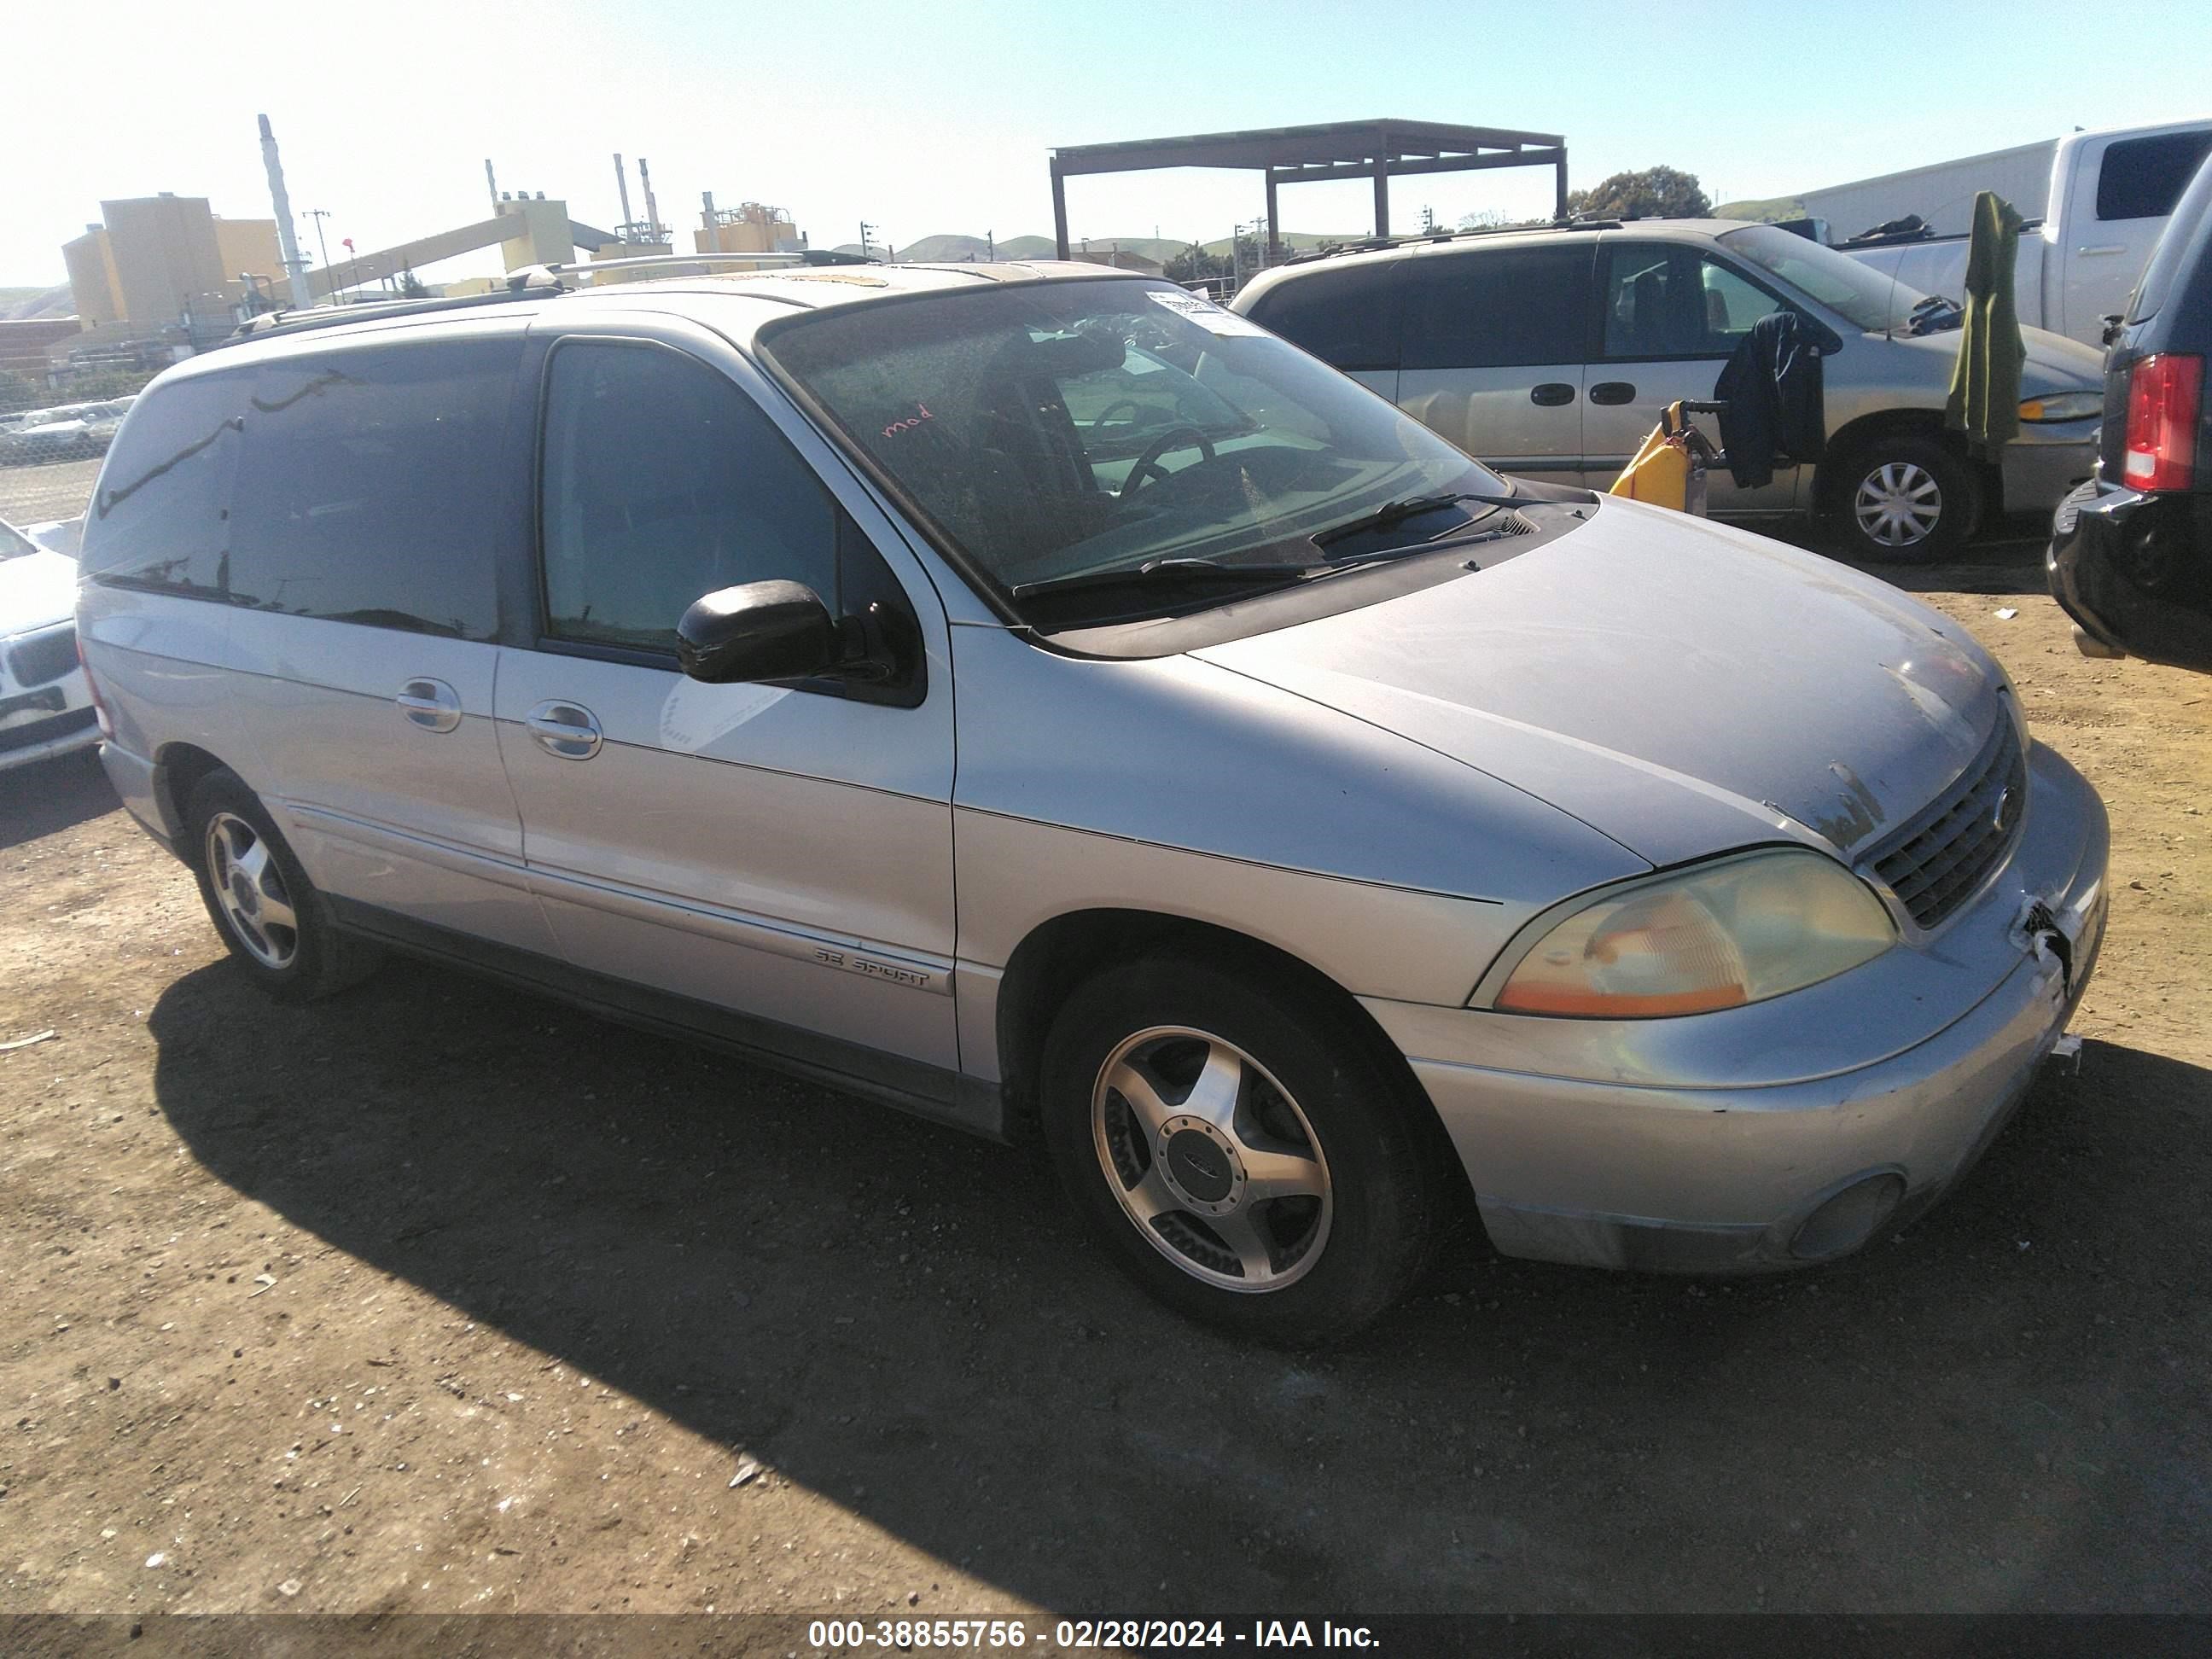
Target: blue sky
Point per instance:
(936, 115)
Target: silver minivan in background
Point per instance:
(1045, 701)
(1552, 352)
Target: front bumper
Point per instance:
(2045, 461)
(1716, 1143)
(39, 722)
(2132, 571)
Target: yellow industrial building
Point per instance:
(157, 259)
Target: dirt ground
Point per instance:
(439, 1297)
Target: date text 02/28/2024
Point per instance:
(1081, 1635)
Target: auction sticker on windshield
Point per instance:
(1202, 311)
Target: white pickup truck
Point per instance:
(2110, 194)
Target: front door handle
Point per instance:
(566, 729)
(431, 704)
(1551, 394)
(2107, 247)
(1612, 391)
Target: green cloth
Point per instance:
(1984, 400)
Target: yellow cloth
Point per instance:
(1660, 474)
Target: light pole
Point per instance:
(318, 215)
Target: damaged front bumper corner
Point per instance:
(1791, 1131)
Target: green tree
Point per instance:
(1194, 265)
(1661, 193)
(411, 286)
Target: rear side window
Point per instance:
(1343, 317)
(374, 486)
(663, 482)
(2144, 178)
(2181, 247)
(159, 520)
(1503, 307)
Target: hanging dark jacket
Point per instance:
(1775, 406)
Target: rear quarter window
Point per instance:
(159, 518)
(1344, 317)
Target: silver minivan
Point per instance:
(1045, 701)
(1552, 353)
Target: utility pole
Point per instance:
(318, 215)
(865, 230)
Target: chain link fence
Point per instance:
(47, 492)
(52, 441)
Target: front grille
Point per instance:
(45, 731)
(1941, 857)
(36, 659)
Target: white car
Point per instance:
(46, 707)
(76, 431)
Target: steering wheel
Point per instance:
(1148, 464)
(1112, 410)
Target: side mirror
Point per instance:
(758, 631)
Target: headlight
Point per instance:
(1738, 931)
(2063, 406)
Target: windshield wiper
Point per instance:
(1411, 506)
(1935, 313)
(1193, 573)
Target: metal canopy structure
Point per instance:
(1377, 151)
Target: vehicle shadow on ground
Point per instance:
(2006, 558)
(50, 796)
(907, 1321)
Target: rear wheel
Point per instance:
(1905, 499)
(275, 923)
(1249, 1163)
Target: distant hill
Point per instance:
(1762, 212)
(938, 249)
(18, 303)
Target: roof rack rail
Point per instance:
(672, 262)
(531, 282)
(1376, 244)
(522, 285)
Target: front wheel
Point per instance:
(1250, 1163)
(1905, 499)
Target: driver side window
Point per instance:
(662, 482)
(1670, 301)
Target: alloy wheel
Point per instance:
(1211, 1159)
(249, 888)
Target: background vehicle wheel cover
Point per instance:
(1898, 504)
(249, 888)
(1211, 1159)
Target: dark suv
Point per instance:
(2131, 551)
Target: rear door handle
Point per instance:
(2110, 248)
(431, 704)
(565, 729)
(1551, 394)
(1612, 391)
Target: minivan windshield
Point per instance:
(1870, 298)
(1084, 429)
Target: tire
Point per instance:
(1241, 1088)
(1891, 482)
(277, 926)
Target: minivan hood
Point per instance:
(36, 589)
(2053, 363)
(1680, 686)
